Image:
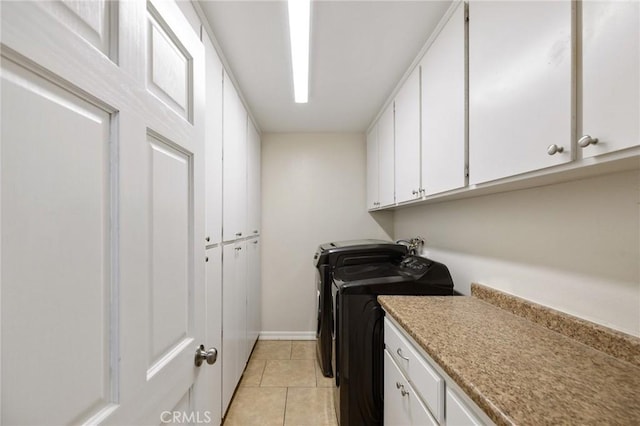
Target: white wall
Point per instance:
(313, 191)
(573, 246)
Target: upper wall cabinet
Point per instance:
(444, 149)
(407, 137)
(386, 163)
(372, 169)
(610, 77)
(213, 144)
(520, 87)
(234, 165)
(253, 179)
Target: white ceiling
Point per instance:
(359, 52)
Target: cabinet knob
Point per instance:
(206, 259)
(415, 192)
(207, 239)
(587, 140)
(553, 149)
(255, 231)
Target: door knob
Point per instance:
(587, 140)
(201, 355)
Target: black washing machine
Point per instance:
(327, 258)
(357, 357)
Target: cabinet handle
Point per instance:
(415, 192)
(402, 390)
(255, 242)
(206, 259)
(207, 239)
(553, 149)
(399, 352)
(238, 248)
(238, 234)
(255, 231)
(587, 140)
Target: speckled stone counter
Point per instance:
(516, 370)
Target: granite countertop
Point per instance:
(518, 371)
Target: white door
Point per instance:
(254, 293)
(102, 212)
(386, 160)
(407, 137)
(234, 166)
(610, 76)
(372, 168)
(210, 382)
(213, 143)
(444, 108)
(234, 317)
(520, 87)
(253, 180)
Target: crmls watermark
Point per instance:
(184, 417)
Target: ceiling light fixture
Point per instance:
(299, 28)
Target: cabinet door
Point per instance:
(254, 293)
(253, 179)
(402, 405)
(372, 168)
(234, 318)
(458, 413)
(234, 164)
(520, 87)
(213, 143)
(610, 75)
(386, 160)
(407, 137)
(443, 108)
(212, 381)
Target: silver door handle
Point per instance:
(399, 352)
(201, 355)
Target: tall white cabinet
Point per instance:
(233, 296)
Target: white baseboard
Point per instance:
(287, 335)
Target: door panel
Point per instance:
(170, 220)
(56, 246)
(168, 65)
(95, 21)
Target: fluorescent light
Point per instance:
(299, 17)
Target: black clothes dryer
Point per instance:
(357, 359)
(327, 258)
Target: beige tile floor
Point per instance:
(283, 385)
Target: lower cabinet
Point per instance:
(254, 294)
(402, 405)
(241, 313)
(417, 392)
(234, 319)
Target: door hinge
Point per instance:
(466, 171)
